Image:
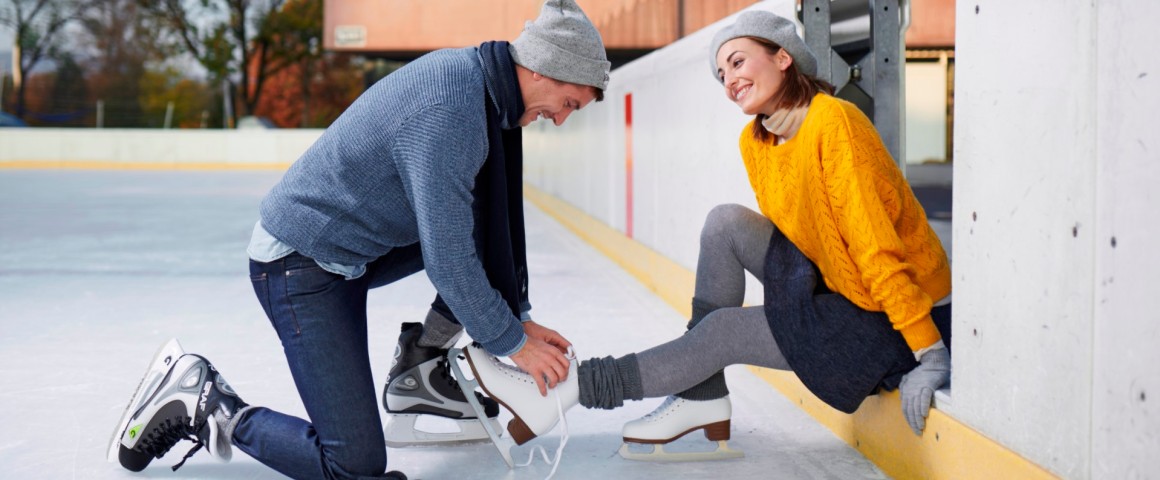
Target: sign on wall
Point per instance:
(350, 36)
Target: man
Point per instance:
(422, 172)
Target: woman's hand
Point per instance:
(918, 386)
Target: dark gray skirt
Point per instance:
(841, 352)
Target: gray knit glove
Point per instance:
(918, 386)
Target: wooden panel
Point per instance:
(419, 26)
(701, 13)
(932, 24)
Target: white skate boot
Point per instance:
(420, 386)
(182, 396)
(534, 414)
(675, 418)
(516, 390)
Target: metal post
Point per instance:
(227, 105)
(876, 81)
(816, 20)
(817, 16)
(168, 115)
(100, 114)
(888, 60)
(17, 79)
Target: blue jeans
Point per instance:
(321, 320)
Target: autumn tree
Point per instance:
(37, 25)
(294, 41)
(194, 104)
(335, 81)
(113, 37)
(224, 36)
(307, 87)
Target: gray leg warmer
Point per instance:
(438, 331)
(607, 382)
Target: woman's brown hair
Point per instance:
(796, 91)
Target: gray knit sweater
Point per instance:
(396, 168)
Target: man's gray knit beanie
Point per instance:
(770, 26)
(563, 44)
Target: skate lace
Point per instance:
(511, 370)
(445, 373)
(163, 437)
(555, 463)
(661, 410)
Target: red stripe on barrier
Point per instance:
(628, 164)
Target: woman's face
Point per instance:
(752, 76)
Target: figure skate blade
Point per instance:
(658, 454)
(503, 444)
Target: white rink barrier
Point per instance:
(70, 146)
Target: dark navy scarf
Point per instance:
(499, 200)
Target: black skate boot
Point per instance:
(420, 383)
(181, 397)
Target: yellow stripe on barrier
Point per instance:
(948, 448)
(98, 165)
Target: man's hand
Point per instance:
(535, 330)
(918, 386)
(543, 356)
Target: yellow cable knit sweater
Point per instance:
(837, 194)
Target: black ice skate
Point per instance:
(182, 396)
(421, 384)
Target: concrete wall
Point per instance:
(1066, 320)
(1056, 328)
(1126, 364)
(1025, 238)
(132, 146)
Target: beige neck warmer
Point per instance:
(785, 123)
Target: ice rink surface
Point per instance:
(99, 268)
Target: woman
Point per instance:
(855, 279)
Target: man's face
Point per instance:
(552, 99)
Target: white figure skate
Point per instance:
(675, 418)
(534, 415)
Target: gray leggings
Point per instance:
(733, 240)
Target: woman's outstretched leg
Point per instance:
(729, 336)
(726, 337)
(733, 241)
